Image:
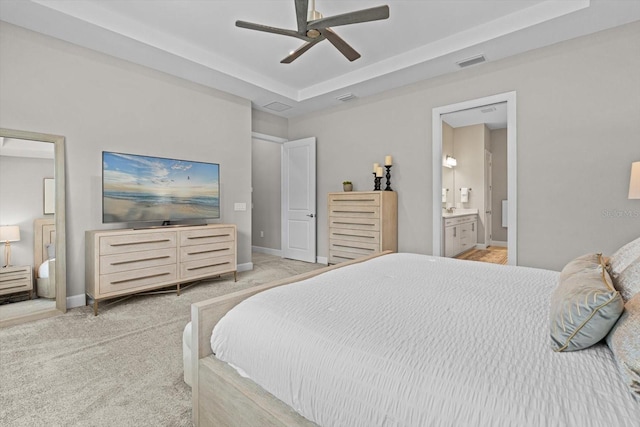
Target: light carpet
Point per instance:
(120, 368)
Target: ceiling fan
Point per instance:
(313, 28)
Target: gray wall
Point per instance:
(22, 201)
(101, 103)
(499, 182)
(578, 104)
(266, 176)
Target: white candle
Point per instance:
(387, 160)
(379, 171)
(375, 167)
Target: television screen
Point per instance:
(143, 188)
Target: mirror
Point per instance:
(22, 204)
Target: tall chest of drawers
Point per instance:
(362, 223)
(123, 262)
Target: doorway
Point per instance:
(510, 221)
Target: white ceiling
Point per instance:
(197, 40)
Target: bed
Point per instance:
(44, 257)
(399, 339)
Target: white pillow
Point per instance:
(624, 257)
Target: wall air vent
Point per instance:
(346, 97)
(277, 106)
(488, 110)
(471, 61)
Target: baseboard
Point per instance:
(499, 243)
(245, 266)
(76, 301)
(322, 260)
(480, 246)
(268, 251)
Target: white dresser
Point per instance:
(362, 223)
(122, 262)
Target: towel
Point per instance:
(464, 195)
(444, 195)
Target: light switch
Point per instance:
(239, 206)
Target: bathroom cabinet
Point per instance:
(460, 234)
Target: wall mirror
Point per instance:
(38, 252)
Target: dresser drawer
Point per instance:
(207, 267)
(348, 212)
(353, 235)
(336, 256)
(353, 247)
(365, 199)
(135, 260)
(16, 280)
(124, 243)
(206, 235)
(144, 277)
(370, 224)
(192, 253)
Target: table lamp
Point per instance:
(9, 233)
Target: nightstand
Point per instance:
(16, 278)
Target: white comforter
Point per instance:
(413, 340)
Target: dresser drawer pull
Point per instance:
(117, 282)
(208, 236)
(343, 257)
(353, 223)
(208, 251)
(139, 260)
(207, 266)
(352, 246)
(353, 235)
(139, 243)
(354, 200)
(13, 287)
(358, 212)
(13, 278)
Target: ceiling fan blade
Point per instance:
(302, 8)
(302, 49)
(349, 52)
(274, 30)
(365, 15)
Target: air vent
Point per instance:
(488, 110)
(471, 61)
(346, 97)
(277, 106)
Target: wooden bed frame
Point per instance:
(44, 234)
(220, 395)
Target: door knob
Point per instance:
(310, 215)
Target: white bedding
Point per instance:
(413, 340)
(43, 270)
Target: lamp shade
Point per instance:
(634, 183)
(9, 233)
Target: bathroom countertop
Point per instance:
(459, 212)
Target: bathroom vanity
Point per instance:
(460, 231)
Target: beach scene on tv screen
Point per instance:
(142, 188)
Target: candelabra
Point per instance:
(388, 188)
(376, 182)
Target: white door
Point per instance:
(299, 199)
(488, 197)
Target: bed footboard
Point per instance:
(235, 396)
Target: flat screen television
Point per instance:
(139, 188)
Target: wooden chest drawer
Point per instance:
(207, 267)
(360, 199)
(15, 279)
(144, 277)
(205, 236)
(354, 235)
(135, 260)
(371, 224)
(346, 212)
(123, 243)
(361, 248)
(192, 253)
